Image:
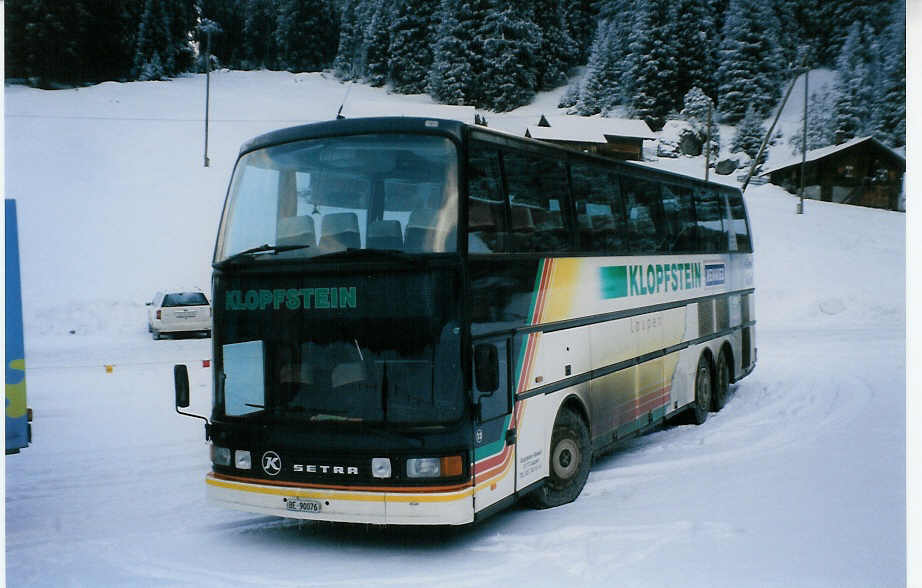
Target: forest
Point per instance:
(646, 59)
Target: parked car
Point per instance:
(173, 313)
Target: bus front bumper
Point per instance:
(454, 507)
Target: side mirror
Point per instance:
(181, 382)
(486, 368)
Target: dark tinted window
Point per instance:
(645, 223)
(738, 221)
(679, 214)
(709, 210)
(486, 206)
(538, 191)
(185, 299)
(599, 210)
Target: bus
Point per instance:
(420, 321)
(18, 415)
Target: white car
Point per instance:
(173, 313)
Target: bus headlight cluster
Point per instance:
(222, 456)
(434, 467)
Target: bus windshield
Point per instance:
(320, 196)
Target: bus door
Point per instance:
(494, 426)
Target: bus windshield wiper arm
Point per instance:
(262, 249)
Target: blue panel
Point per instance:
(17, 426)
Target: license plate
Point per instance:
(302, 505)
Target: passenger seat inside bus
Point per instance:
(423, 232)
(339, 231)
(296, 230)
(384, 234)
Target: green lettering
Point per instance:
(660, 276)
(322, 297)
(347, 298)
(651, 279)
(696, 274)
(307, 294)
(265, 299)
(293, 300)
(278, 297)
(334, 298)
(252, 300)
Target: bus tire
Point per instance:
(155, 335)
(721, 388)
(570, 460)
(702, 405)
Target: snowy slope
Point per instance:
(799, 481)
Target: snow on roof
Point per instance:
(815, 154)
(584, 129)
(359, 109)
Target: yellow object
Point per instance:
(108, 369)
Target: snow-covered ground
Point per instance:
(799, 481)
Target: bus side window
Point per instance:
(645, 222)
(538, 195)
(486, 216)
(709, 213)
(738, 222)
(728, 223)
(599, 210)
(680, 218)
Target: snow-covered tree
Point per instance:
(305, 31)
(580, 18)
(695, 111)
(697, 38)
(511, 42)
(377, 41)
(891, 108)
(653, 63)
(820, 123)
(557, 50)
(750, 64)
(602, 85)
(857, 70)
(570, 97)
(411, 46)
(457, 54)
(749, 135)
(258, 33)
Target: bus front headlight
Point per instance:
(434, 467)
(220, 455)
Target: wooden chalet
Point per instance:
(617, 138)
(863, 172)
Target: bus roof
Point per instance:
(456, 130)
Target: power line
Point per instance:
(155, 119)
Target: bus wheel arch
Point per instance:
(569, 458)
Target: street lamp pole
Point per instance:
(207, 86)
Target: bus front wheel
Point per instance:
(571, 458)
(702, 391)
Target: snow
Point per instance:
(588, 129)
(799, 481)
(814, 154)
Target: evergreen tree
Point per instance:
(511, 42)
(226, 47)
(377, 40)
(258, 32)
(695, 111)
(891, 109)
(411, 47)
(653, 63)
(750, 62)
(749, 135)
(580, 19)
(570, 97)
(855, 86)
(820, 123)
(305, 32)
(602, 85)
(557, 50)
(350, 38)
(457, 53)
(697, 37)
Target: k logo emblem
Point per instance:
(272, 463)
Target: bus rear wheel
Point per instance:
(571, 458)
(702, 404)
(722, 385)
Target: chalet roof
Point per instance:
(360, 109)
(583, 129)
(822, 152)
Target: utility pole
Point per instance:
(803, 160)
(208, 27)
(707, 145)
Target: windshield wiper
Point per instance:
(261, 249)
